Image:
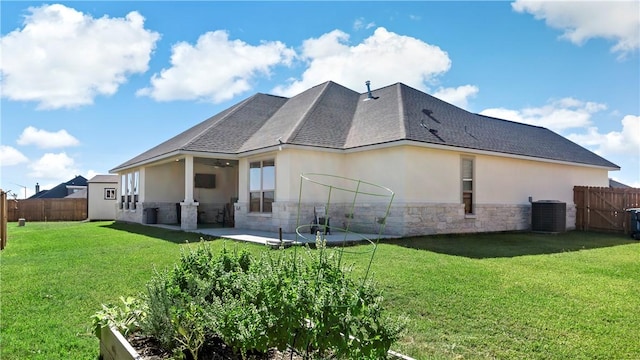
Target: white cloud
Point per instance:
(458, 96)
(215, 68)
(45, 139)
(10, 156)
(90, 174)
(558, 115)
(59, 167)
(626, 141)
(583, 20)
(360, 24)
(62, 58)
(384, 58)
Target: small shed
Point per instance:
(102, 195)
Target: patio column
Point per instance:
(142, 178)
(188, 178)
(189, 208)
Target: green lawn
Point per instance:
(504, 296)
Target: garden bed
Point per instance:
(114, 346)
(233, 305)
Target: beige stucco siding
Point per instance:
(165, 182)
(309, 162)
(415, 174)
(500, 180)
(420, 174)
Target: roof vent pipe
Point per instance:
(369, 95)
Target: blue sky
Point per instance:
(89, 85)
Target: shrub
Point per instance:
(125, 318)
(276, 300)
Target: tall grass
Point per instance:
(497, 296)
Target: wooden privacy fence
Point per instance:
(3, 219)
(73, 209)
(603, 208)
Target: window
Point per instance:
(109, 194)
(129, 187)
(136, 183)
(467, 185)
(262, 185)
(123, 191)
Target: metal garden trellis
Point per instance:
(350, 192)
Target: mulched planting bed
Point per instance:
(149, 349)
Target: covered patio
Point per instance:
(182, 190)
(274, 238)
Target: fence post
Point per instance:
(3, 219)
(587, 212)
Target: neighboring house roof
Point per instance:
(61, 190)
(616, 184)
(333, 117)
(104, 179)
(80, 194)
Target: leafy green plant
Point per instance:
(276, 300)
(189, 328)
(125, 317)
(347, 318)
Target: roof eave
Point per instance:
(172, 156)
(474, 151)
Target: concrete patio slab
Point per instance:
(273, 238)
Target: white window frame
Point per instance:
(262, 189)
(123, 191)
(467, 185)
(129, 187)
(110, 194)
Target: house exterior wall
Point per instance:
(100, 208)
(427, 186)
(524, 178)
(161, 187)
(164, 182)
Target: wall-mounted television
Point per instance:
(205, 181)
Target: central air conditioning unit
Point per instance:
(549, 216)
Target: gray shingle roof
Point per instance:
(104, 179)
(60, 191)
(331, 116)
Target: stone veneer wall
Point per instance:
(283, 216)
(428, 219)
(129, 215)
(167, 212)
(405, 219)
